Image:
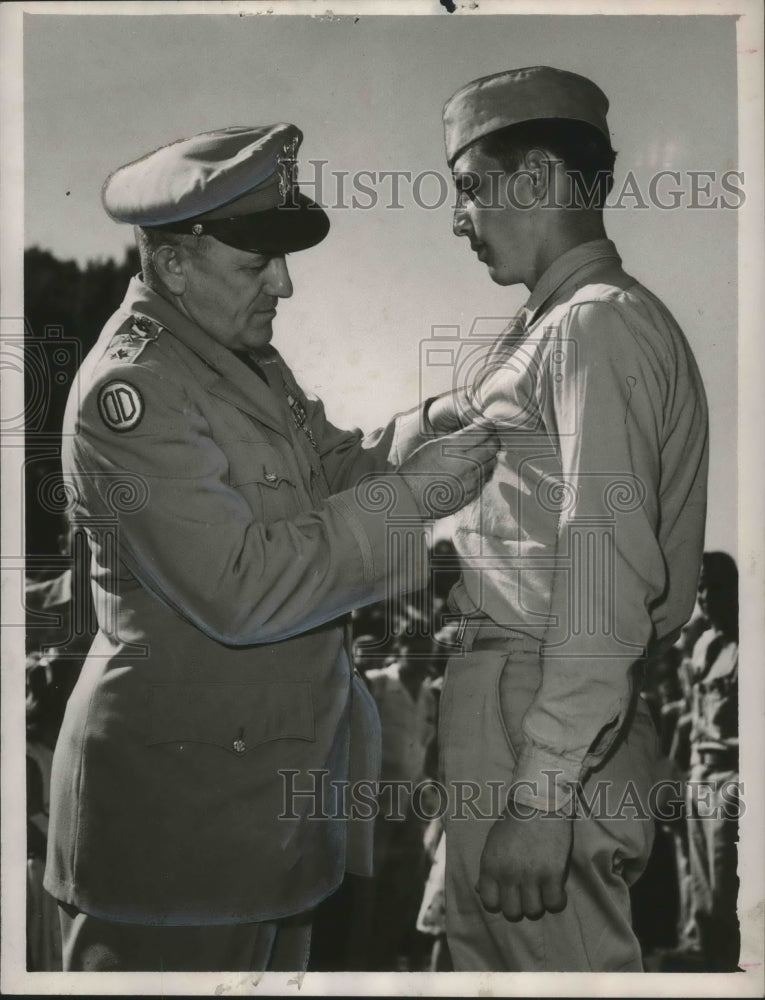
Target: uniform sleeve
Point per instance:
(347, 456)
(609, 567)
(191, 538)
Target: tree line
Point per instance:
(65, 308)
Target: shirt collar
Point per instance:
(570, 269)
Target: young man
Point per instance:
(231, 527)
(581, 556)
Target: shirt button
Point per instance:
(270, 477)
(239, 746)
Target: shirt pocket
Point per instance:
(235, 718)
(258, 472)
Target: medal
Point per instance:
(300, 417)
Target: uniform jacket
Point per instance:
(227, 539)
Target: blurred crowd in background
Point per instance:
(684, 905)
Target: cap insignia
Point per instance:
(286, 164)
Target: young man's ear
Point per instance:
(168, 263)
(539, 167)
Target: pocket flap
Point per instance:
(271, 477)
(255, 462)
(269, 474)
(236, 717)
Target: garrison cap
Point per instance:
(520, 95)
(238, 184)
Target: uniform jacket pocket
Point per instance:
(234, 717)
(258, 471)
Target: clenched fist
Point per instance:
(524, 866)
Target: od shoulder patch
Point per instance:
(120, 405)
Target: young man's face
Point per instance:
(232, 294)
(490, 212)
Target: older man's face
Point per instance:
(232, 294)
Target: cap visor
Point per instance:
(285, 229)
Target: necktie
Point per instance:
(507, 343)
(510, 338)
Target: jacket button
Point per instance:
(270, 477)
(239, 746)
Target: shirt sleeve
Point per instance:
(607, 415)
(192, 539)
(347, 456)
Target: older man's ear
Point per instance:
(169, 268)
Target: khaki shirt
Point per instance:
(590, 533)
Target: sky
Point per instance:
(367, 92)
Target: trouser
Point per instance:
(486, 694)
(712, 862)
(91, 944)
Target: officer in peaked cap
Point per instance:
(588, 538)
(232, 529)
(237, 184)
(232, 191)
